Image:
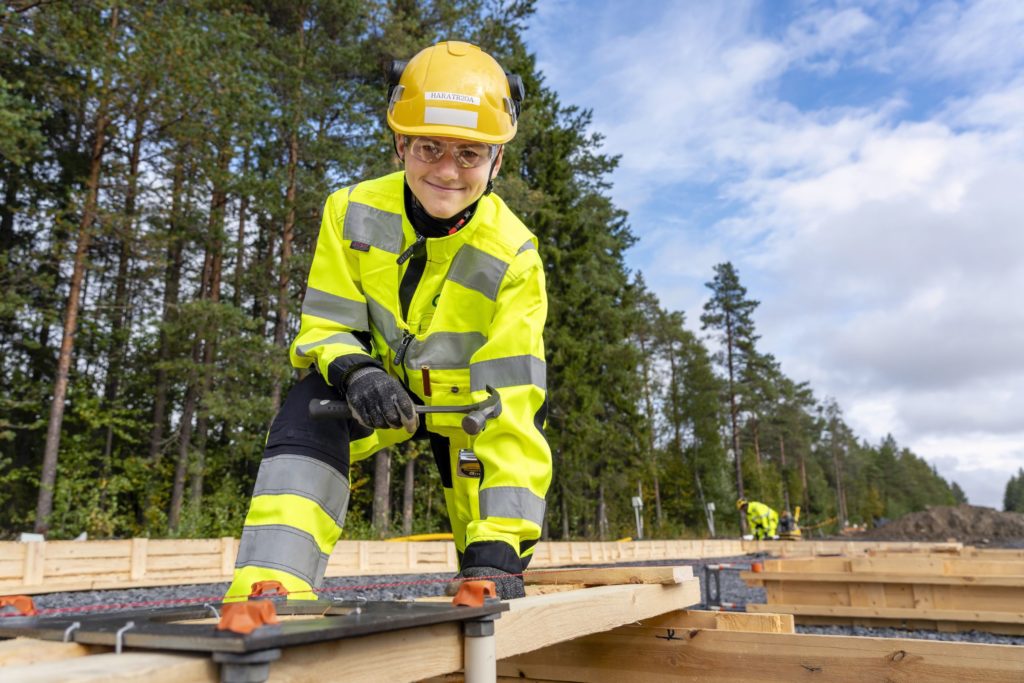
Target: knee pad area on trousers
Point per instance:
(295, 432)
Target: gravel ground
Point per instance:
(406, 586)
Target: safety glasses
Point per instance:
(466, 154)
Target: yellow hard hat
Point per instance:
(740, 503)
(454, 89)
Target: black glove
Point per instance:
(509, 586)
(379, 401)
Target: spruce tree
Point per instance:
(729, 315)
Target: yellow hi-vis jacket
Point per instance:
(762, 519)
(476, 319)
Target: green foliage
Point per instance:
(1013, 499)
(226, 123)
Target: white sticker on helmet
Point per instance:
(450, 117)
(452, 97)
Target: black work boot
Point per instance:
(509, 586)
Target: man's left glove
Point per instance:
(379, 401)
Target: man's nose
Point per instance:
(446, 166)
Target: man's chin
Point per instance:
(443, 211)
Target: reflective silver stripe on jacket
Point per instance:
(443, 350)
(526, 247)
(478, 270)
(508, 372)
(278, 546)
(369, 225)
(339, 338)
(337, 309)
(513, 502)
(384, 321)
(303, 476)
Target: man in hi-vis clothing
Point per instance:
(762, 520)
(424, 288)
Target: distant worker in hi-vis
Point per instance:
(763, 520)
(425, 299)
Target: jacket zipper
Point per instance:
(399, 356)
(420, 239)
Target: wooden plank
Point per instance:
(206, 563)
(535, 622)
(12, 569)
(228, 552)
(400, 656)
(87, 566)
(184, 546)
(755, 578)
(643, 654)
(87, 550)
(609, 576)
(724, 621)
(129, 667)
(945, 626)
(892, 613)
(138, 561)
(22, 651)
(35, 559)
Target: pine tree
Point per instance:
(729, 314)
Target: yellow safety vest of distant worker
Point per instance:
(762, 520)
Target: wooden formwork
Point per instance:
(50, 566)
(936, 591)
(46, 567)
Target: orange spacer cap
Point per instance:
(268, 589)
(473, 593)
(22, 603)
(246, 617)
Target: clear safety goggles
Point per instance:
(466, 154)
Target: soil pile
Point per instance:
(964, 523)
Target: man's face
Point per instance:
(444, 187)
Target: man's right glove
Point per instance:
(379, 401)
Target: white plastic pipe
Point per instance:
(480, 663)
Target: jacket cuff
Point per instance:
(343, 366)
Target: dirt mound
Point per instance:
(964, 523)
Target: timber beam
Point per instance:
(646, 654)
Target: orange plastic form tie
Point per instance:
(246, 617)
(473, 593)
(756, 567)
(22, 603)
(268, 589)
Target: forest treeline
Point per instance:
(164, 166)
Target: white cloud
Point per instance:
(950, 40)
(884, 238)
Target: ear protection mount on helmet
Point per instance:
(394, 76)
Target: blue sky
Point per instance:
(860, 163)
